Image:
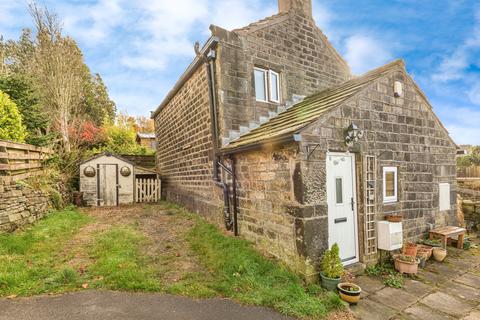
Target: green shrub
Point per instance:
(331, 263)
(11, 127)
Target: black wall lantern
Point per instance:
(353, 134)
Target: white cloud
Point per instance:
(464, 135)
(93, 23)
(474, 94)
(231, 14)
(454, 66)
(364, 53)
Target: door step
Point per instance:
(356, 268)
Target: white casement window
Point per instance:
(267, 85)
(274, 79)
(390, 184)
(260, 84)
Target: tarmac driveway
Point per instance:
(107, 305)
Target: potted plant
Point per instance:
(349, 291)
(332, 268)
(422, 255)
(432, 243)
(410, 249)
(439, 254)
(424, 250)
(406, 263)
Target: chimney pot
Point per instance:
(304, 7)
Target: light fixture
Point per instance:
(353, 134)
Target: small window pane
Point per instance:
(339, 190)
(274, 94)
(260, 93)
(390, 184)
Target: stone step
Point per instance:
(244, 130)
(253, 125)
(356, 268)
(263, 119)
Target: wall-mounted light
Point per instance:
(353, 134)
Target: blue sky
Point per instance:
(141, 47)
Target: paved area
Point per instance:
(106, 305)
(442, 291)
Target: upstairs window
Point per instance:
(260, 84)
(274, 86)
(267, 85)
(390, 184)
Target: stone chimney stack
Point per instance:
(304, 7)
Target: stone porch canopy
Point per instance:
(286, 125)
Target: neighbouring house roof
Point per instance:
(289, 122)
(144, 135)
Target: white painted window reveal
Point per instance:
(390, 185)
(444, 196)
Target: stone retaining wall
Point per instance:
(21, 205)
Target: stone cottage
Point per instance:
(269, 133)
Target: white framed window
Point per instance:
(274, 79)
(267, 85)
(444, 196)
(390, 185)
(260, 79)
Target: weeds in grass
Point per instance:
(28, 259)
(242, 273)
(119, 263)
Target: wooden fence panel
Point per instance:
(147, 189)
(19, 160)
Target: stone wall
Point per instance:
(264, 191)
(184, 153)
(401, 132)
(20, 205)
(290, 44)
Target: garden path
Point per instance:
(442, 291)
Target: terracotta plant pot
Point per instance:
(410, 249)
(424, 250)
(403, 266)
(329, 283)
(439, 254)
(393, 218)
(349, 292)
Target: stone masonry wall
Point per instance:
(401, 132)
(289, 44)
(265, 191)
(184, 154)
(20, 205)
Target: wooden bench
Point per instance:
(448, 232)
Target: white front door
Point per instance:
(342, 218)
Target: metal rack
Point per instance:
(370, 170)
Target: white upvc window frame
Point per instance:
(265, 81)
(270, 73)
(393, 198)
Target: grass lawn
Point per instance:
(71, 250)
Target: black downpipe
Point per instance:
(234, 191)
(229, 224)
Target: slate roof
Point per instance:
(262, 23)
(310, 109)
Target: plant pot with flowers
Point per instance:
(332, 268)
(406, 263)
(348, 290)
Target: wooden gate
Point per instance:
(147, 189)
